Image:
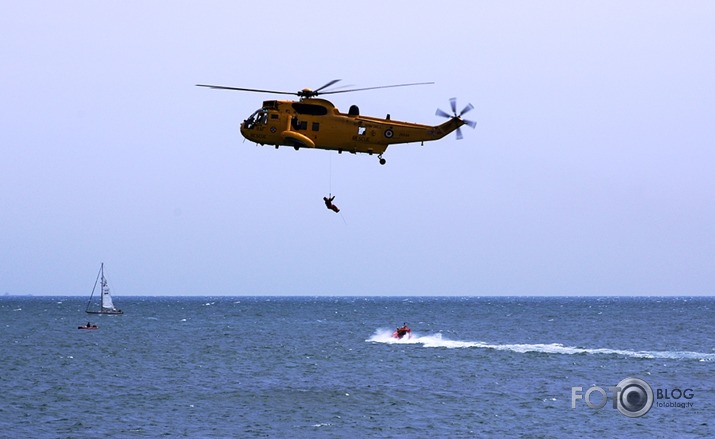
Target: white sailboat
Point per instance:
(106, 306)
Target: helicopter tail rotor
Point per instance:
(455, 115)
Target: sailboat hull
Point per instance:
(105, 312)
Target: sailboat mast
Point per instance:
(89, 302)
(103, 286)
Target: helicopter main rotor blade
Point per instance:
(310, 93)
(326, 85)
(375, 88)
(223, 87)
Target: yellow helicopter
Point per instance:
(317, 123)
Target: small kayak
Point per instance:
(88, 327)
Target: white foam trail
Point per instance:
(437, 341)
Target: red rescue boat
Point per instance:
(402, 332)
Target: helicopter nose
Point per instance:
(244, 130)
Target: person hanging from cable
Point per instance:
(329, 203)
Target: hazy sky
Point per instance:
(591, 170)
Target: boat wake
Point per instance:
(437, 341)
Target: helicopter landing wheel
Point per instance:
(382, 160)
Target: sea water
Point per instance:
(328, 367)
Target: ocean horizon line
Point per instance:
(397, 296)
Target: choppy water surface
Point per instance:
(328, 367)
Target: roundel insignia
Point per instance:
(273, 129)
(389, 133)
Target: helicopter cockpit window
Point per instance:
(259, 117)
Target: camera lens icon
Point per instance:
(635, 398)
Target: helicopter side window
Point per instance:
(298, 124)
(361, 131)
(311, 109)
(316, 126)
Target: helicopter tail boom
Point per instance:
(449, 126)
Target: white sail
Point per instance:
(106, 297)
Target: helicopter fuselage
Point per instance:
(317, 123)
